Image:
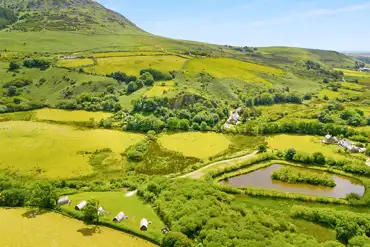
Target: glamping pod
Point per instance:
(81, 205)
(144, 225)
(63, 200)
(101, 210)
(119, 217)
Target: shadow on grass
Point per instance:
(34, 213)
(89, 231)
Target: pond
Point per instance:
(262, 179)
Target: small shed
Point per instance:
(63, 200)
(119, 217)
(144, 224)
(81, 205)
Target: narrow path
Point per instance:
(217, 165)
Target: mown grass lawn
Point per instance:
(230, 68)
(132, 65)
(115, 202)
(70, 116)
(56, 151)
(55, 230)
(196, 144)
(307, 144)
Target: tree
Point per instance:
(147, 78)
(184, 124)
(262, 148)
(12, 91)
(13, 197)
(326, 80)
(131, 87)
(347, 230)
(43, 195)
(90, 211)
(175, 239)
(203, 126)
(14, 65)
(289, 155)
(319, 158)
(172, 123)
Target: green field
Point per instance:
(73, 63)
(160, 88)
(198, 145)
(133, 65)
(51, 229)
(127, 54)
(307, 144)
(54, 151)
(115, 202)
(70, 116)
(230, 68)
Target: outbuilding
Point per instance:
(81, 205)
(144, 224)
(63, 200)
(119, 217)
(329, 139)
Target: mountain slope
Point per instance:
(65, 15)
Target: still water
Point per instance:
(262, 179)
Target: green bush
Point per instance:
(14, 197)
(175, 239)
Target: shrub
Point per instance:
(36, 63)
(14, 65)
(157, 75)
(175, 239)
(13, 197)
(289, 155)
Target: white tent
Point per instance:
(63, 200)
(144, 224)
(119, 217)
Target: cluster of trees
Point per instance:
(294, 176)
(275, 98)
(200, 211)
(147, 78)
(335, 112)
(299, 127)
(92, 102)
(202, 115)
(7, 17)
(350, 227)
(36, 63)
(317, 68)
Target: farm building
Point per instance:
(144, 224)
(81, 205)
(63, 200)
(119, 217)
(350, 147)
(329, 139)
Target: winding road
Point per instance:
(222, 164)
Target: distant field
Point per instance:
(354, 73)
(198, 145)
(159, 88)
(53, 151)
(330, 94)
(352, 85)
(73, 63)
(55, 230)
(115, 202)
(127, 54)
(133, 65)
(230, 68)
(307, 144)
(70, 116)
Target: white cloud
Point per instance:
(312, 13)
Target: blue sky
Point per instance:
(341, 25)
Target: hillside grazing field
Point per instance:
(70, 116)
(115, 202)
(55, 230)
(196, 144)
(133, 65)
(73, 63)
(230, 68)
(307, 144)
(54, 151)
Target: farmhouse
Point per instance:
(350, 147)
(329, 139)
